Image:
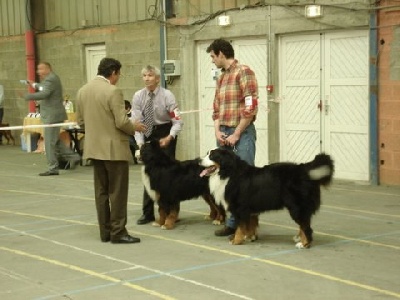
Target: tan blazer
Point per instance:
(100, 107)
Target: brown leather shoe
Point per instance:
(225, 231)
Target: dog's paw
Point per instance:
(236, 242)
(167, 227)
(296, 239)
(217, 222)
(155, 224)
(251, 238)
(300, 245)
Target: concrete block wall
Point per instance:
(389, 95)
(13, 69)
(135, 45)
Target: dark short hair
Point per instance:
(107, 66)
(221, 45)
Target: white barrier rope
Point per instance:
(38, 126)
(74, 123)
(194, 110)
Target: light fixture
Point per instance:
(313, 11)
(224, 20)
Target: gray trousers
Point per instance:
(55, 149)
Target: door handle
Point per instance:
(326, 108)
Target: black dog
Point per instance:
(169, 181)
(7, 134)
(247, 191)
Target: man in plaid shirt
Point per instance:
(235, 109)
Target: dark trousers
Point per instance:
(158, 133)
(111, 181)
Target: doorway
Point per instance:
(324, 81)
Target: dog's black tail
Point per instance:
(321, 169)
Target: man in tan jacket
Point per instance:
(101, 109)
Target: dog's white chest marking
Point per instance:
(146, 183)
(217, 188)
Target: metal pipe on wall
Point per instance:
(373, 101)
(163, 43)
(30, 50)
(269, 82)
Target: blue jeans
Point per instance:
(245, 148)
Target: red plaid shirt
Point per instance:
(234, 84)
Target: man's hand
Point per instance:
(137, 155)
(137, 152)
(139, 126)
(220, 136)
(232, 139)
(164, 142)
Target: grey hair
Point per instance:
(151, 69)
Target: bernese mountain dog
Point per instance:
(246, 191)
(169, 181)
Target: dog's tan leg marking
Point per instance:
(170, 220)
(252, 230)
(217, 214)
(296, 238)
(212, 205)
(240, 234)
(161, 220)
(304, 242)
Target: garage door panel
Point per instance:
(301, 105)
(302, 59)
(349, 106)
(347, 55)
(343, 146)
(302, 145)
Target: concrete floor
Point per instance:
(50, 247)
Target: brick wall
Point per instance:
(389, 94)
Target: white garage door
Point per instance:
(324, 87)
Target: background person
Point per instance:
(100, 108)
(52, 111)
(132, 142)
(1, 110)
(162, 121)
(235, 109)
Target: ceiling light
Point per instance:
(224, 20)
(313, 11)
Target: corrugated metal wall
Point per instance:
(74, 14)
(12, 17)
(203, 7)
